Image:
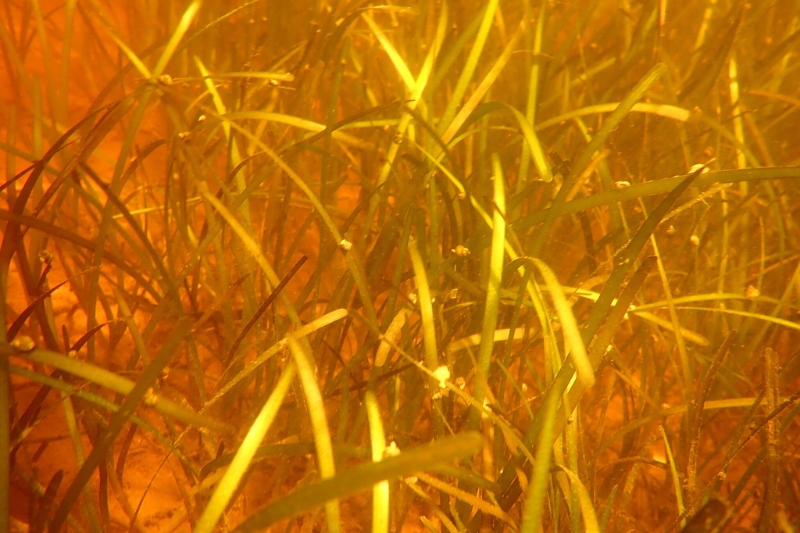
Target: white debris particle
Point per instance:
(442, 374)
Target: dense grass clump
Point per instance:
(413, 266)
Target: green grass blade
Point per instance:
(494, 281)
(456, 99)
(118, 384)
(244, 455)
(319, 424)
(380, 492)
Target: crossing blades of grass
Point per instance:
(360, 478)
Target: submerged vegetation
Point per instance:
(413, 266)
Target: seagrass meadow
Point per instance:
(443, 266)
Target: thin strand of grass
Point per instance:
(354, 267)
(494, 282)
(607, 509)
(585, 157)
(694, 426)
(116, 383)
(251, 246)
(517, 388)
(533, 508)
(66, 54)
(533, 94)
(37, 125)
(768, 319)
(126, 315)
(710, 297)
(673, 469)
(363, 477)
(752, 160)
(516, 444)
(773, 460)
(380, 492)
(686, 366)
(80, 457)
(302, 331)
(319, 424)
(637, 310)
(569, 437)
(227, 487)
(457, 97)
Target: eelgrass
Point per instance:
(508, 265)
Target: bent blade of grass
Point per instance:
(584, 500)
(380, 492)
(492, 290)
(319, 424)
(572, 334)
(532, 145)
(363, 477)
(244, 455)
(676, 113)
